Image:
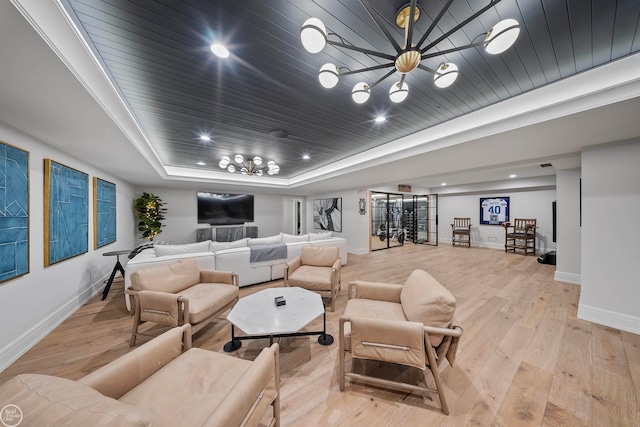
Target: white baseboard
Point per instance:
(609, 318)
(11, 352)
(572, 278)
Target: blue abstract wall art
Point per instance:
(14, 212)
(104, 212)
(66, 212)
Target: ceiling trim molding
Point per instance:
(608, 84)
(58, 30)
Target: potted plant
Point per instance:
(150, 209)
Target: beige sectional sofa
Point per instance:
(164, 382)
(235, 256)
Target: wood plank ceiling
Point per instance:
(156, 52)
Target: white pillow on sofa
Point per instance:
(290, 238)
(265, 240)
(320, 236)
(189, 248)
(218, 246)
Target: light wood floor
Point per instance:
(525, 359)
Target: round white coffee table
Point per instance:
(258, 316)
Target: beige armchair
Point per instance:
(178, 293)
(410, 324)
(164, 382)
(316, 269)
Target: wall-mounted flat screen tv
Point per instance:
(224, 209)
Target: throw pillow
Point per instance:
(265, 240)
(290, 238)
(426, 301)
(320, 236)
(189, 248)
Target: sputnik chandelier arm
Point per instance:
(248, 166)
(407, 58)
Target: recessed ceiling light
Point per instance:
(219, 50)
(306, 156)
(201, 164)
(512, 176)
(206, 138)
(381, 119)
(444, 183)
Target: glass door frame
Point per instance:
(387, 220)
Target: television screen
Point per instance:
(224, 209)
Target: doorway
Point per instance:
(387, 221)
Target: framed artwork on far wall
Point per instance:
(104, 212)
(14, 212)
(494, 210)
(327, 214)
(66, 212)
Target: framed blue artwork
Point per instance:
(494, 210)
(14, 212)
(66, 212)
(104, 212)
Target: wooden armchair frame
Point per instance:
(522, 235)
(461, 232)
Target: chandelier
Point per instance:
(248, 166)
(406, 58)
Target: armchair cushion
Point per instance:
(426, 301)
(359, 308)
(205, 299)
(47, 400)
(319, 256)
(311, 278)
(214, 386)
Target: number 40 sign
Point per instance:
(494, 210)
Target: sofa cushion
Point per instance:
(208, 298)
(290, 238)
(265, 240)
(189, 388)
(425, 300)
(320, 236)
(189, 248)
(172, 277)
(319, 256)
(52, 401)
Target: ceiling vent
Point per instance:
(546, 165)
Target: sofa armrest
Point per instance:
(126, 372)
(375, 291)
(253, 394)
(214, 276)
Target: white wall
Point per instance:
(34, 304)
(354, 225)
(610, 293)
(522, 204)
(182, 214)
(568, 257)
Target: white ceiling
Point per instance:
(40, 96)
